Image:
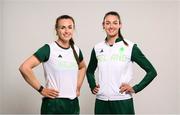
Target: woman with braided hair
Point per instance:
(64, 70)
(113, 57)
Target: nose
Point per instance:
(111, 25)
(66, 30)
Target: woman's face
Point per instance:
(65, 29)
(111, 25)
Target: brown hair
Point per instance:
(71, 41)
(119, 31)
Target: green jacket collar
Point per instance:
(117, 39)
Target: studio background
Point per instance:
(26, 25)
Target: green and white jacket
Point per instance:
(114, 65)
(60, 68)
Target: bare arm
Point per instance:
(27, 73)
(30, 78)
(81, 75)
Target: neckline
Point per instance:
(117, 39)
(61, 46)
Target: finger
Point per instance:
(98, 86)
(55, 94)
(123, 89)
(94, 92)
(50, 96)
(54, 90)
(96, 89)
(127, 90)
(130, 90)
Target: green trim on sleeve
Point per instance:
(138, 57)
(91, 70)
(80, 55)
(43, 53)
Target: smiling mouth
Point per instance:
(67, 35)
(111, 31)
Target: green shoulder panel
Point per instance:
(43, 53)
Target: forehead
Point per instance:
(111, 18)
(65, 22)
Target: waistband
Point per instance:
(47, 98)
(113, 98)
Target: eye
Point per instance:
(107, 23)
(70, 27)
(61, 27)
(115, 23)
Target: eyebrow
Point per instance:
(113, 21)
(65, 26)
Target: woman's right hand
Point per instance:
(96, 89)
(51, 93)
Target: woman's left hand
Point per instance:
(126, 88)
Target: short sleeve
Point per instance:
(43, 53)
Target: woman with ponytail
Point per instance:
(64, 71)
(114, 57)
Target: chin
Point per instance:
(67, 39)
(112, 35)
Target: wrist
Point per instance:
(40, 89)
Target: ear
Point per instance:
(56, 32)
(103, 25)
